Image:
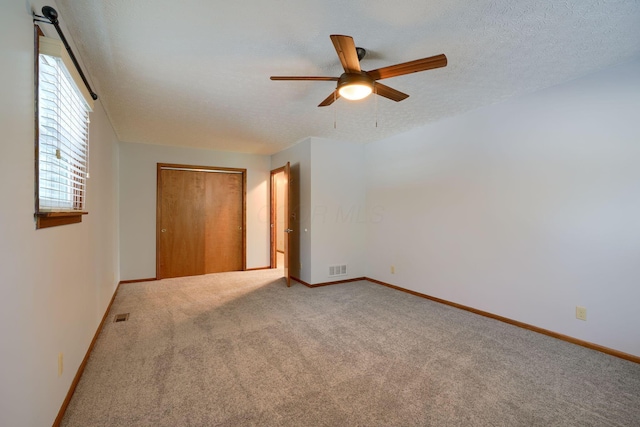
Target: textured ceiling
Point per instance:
(196, 72)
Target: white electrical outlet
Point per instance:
(393, 269)
(581, 313)
(60, 363)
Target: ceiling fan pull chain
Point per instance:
(375, 92)
(335, 114)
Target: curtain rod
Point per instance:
(52, 15)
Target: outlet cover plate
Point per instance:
(581, 313)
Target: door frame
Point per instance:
(194, 168)
(273, 219)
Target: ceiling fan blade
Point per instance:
(346, 50)
(329, 100)
(390, 93)
(329, 79)
(424, 64)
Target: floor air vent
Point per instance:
(121, 317)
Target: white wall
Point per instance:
(339, 211)
(331, 213)
(299, 156)
(138, 174)
(55, 283)
(524, 209)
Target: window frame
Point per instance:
(47, 218)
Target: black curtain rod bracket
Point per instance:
(52, 16)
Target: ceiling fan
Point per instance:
(356, 83)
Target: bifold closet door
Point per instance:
(200, 222)
(223, 222)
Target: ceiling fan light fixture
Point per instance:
(355, 86)
(354, 92)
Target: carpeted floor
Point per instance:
(242, 349)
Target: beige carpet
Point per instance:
(242, 349)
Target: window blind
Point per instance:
(63, 117)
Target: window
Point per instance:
(62, 165)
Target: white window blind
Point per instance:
(63, 117)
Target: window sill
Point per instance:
(54, 219)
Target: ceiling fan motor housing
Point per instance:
(353, 79)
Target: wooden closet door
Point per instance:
(200, 221)
(182, 227)
(223, 224)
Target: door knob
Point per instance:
(163, 230)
